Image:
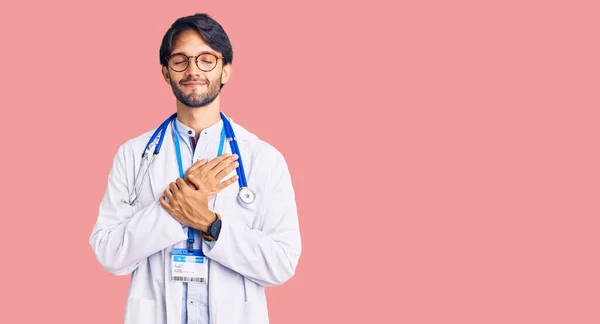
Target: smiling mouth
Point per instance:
(193, 84)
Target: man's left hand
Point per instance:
(188, 206)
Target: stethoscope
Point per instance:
(245, 194)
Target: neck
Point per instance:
(199, 118)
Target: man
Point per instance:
(198, 250)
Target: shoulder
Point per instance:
(135, 146)
(140, 140)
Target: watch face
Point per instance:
(215, 229)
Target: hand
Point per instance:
(188, 206)
(207, 176)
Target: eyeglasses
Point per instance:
(179, 62)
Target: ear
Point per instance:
(226, 73)
(166, 75)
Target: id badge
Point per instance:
(189, 267)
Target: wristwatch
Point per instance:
(213, 230)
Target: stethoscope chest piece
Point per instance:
(246, 195)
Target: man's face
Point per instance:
(194, 87)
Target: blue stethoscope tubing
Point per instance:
(139, 181)
(162, 129)
(245, 195)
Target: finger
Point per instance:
(196, 165)
(217, 160)
(181, 184)
(227, 183)
(195, 181)
(224, 164)
(189, 183)
(223, 173)
(175, 190)
(165, 204)
(216, 165)
(168, 194)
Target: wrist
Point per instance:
(207, 218)
(213, 230)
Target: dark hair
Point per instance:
(210, 30)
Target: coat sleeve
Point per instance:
(267, 256)
(121, 239)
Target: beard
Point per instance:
(196, 100)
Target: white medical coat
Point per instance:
(259, 244)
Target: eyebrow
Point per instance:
(203, 52)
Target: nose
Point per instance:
(192, 69)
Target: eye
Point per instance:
(178, 59)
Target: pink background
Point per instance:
(445, 154)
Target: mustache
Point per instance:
(194, 80)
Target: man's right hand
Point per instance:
(206, 176)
